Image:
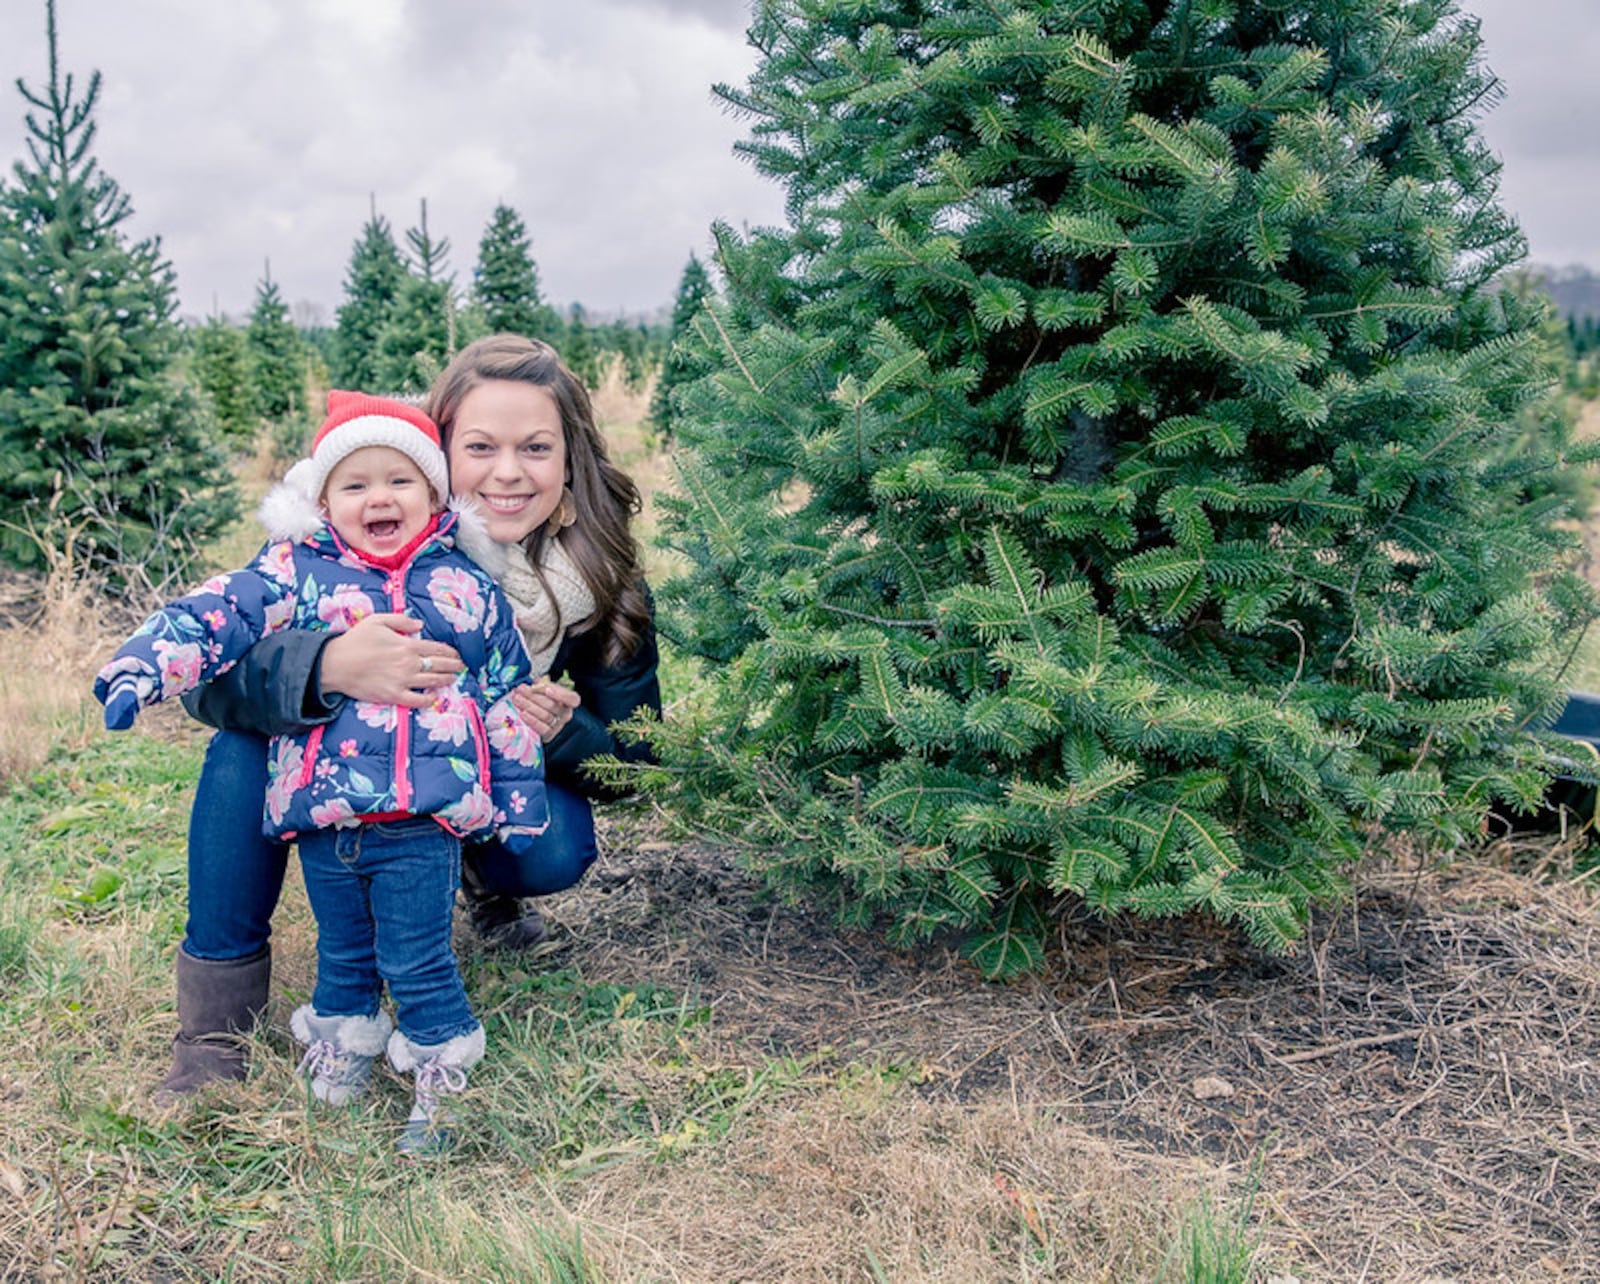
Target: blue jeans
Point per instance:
(383, 894)
(236, 875)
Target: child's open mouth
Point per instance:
(382, 530)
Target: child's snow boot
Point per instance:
(340, 1051)
(441, 1073)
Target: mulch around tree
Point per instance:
(1419, 1082)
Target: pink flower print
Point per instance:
(277, 563)
(215, 620)
(217, 584)
(278, 614)
(325, 769)
(334, 812)
(347, 749)
(510, 735)
(473, 811)
(283, 778)
(385, 717)
(180, 666)
(343, 607)
(446, 718)
(458, 597)
(518, 802)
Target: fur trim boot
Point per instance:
(441, 1073)
(219, 1002)
(340, 1051)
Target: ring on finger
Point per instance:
(427, 664)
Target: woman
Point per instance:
(524, 451)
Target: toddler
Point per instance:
(380, 798)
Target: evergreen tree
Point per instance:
(680, 366)
(578, 348)
(637, 350)
(1097, 491)
(97, 432)
(505, 284)
(419, 336)
(371, 285)
(220, 365)
(277, 356)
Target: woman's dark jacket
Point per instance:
(275, 690)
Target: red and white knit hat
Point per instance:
(354, 420)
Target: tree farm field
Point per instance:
(695, 1082)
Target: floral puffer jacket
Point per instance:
(468, 759)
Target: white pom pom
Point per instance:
(290, 510)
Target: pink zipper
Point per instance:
(402, 728)
(313, 747)
(480, 740)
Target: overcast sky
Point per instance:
(249, 130)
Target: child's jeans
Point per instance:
(383, 894)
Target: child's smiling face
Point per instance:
(378, 500)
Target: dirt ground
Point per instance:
(1420, 1082)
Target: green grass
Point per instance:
(1217, 1246)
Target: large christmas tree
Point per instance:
(102, 446)
(1100, 494)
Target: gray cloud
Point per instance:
(1545, 52)
(262, 128)
(732, 14)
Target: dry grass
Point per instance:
(869, 1183)
(1421, 1084)
(53, 639)
(621, 416)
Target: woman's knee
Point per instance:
(553, 862)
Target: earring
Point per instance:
(566, 513)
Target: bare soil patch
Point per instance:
(1420, 1082)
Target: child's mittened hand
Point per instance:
(122, 703)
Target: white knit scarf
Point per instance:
(569, 598)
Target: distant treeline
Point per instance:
(403, 315)
(1575, 291)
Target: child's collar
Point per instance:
(393, 561)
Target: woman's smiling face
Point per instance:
(508, 455)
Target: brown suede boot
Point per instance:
(501, 922)
(218, 1001)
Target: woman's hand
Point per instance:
(380, 660)
(546, 706)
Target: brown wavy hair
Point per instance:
(599, 541)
